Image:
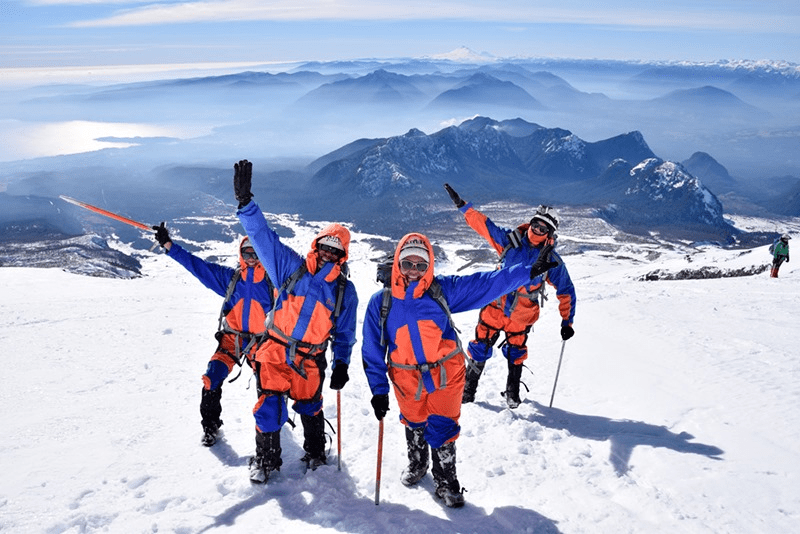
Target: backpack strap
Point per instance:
(386, 305)
(341, 286)
(237, 274)
(222, 325)
(514, 241)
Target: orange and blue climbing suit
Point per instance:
(291, 360)
(417, 348)
(516, 312)
(244, 312)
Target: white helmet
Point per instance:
(785, 237)
(548, 215)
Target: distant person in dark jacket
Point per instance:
(780, 253)
(248, 293)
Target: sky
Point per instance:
(675, 409)
(74, 33)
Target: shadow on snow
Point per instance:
(624, 435)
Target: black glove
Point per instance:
(380, 404)
(457, 200)
(339, 376)
(162, 236)
(242, 178)
(567, 332)
(543, 263)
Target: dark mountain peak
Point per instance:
(702, 158)
(629, 146)
(414, 132)
(482, 78)
(707, 94)
(710, 171)
(376, 88)
(549, 79)
(488, 92)
(384, 75)
(477, 123)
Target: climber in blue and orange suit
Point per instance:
(516, 312)
(417, 346)
(249, 294)
(315, 307)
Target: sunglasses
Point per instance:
(249, 254)
(331, 250)
(540, 228)
(420, 266)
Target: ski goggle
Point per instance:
(539, 228)
(420, 266)
(249, 254)
(331, 250)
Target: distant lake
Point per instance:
(25, 140)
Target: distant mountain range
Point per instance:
(745, 114)
(383, 182)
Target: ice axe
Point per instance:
(558, 370)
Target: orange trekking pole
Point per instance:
(101, 211)
(339, 425)
(111, 215)
(380, 458)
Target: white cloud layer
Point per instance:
(745, 16)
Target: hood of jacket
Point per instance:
(400, 282)
(258, 270)
(334, 230)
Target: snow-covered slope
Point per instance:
(676, 410)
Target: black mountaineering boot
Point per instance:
(210, 410)
(444, 476)
(474, 371)
(512, 385)
(417, 457)
(267, 458)
(314, 440)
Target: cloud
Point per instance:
(745, 16)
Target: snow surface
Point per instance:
(676, 411)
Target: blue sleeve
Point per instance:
(373, 354)
(345, 337)
(214, 277)
(279, 260)
(559, 278)
(476, 290)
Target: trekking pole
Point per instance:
(110, 215)
(101, 211)
(339, 425)
(380, 457)
(563, 344)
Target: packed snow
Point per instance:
(675, 410)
